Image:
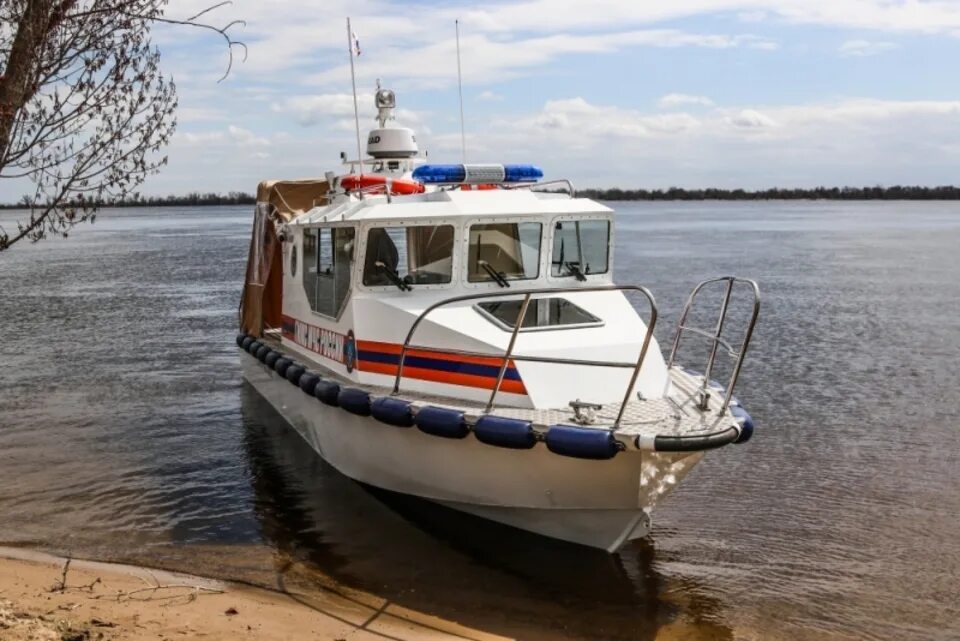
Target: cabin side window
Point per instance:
(414, 255)
(508, 251)
(327, 255)
(580, 248)
(310, 266)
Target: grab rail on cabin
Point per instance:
(716, 337)
(508, 353)
(560, 181)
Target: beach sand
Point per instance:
(121, 602)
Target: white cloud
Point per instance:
(310, 110)
(199, 114)
(672, 100)
(850, 141)
(202, 138)
(298, 72)
(750, 119)
(238, 136)
(291, 35)
(862, 48)
(488, 59)
(245, 137)
(337, 110)
(580, 122)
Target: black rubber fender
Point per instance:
(294, 372)
(327, 391)
(308, 382)
(280, 367)
(694, 443)
(272, 358)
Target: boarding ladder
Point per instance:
(701, 396)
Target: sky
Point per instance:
(643, 93)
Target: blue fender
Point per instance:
(512, 433)
(356, 401)
(392, 411)
(746, 423)
(582, 442)
(442, 421)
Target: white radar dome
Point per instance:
(392, 142)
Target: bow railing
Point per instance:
(715, 337)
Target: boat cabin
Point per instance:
(436, 262)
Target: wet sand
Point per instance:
(124, 602)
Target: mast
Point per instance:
(353, 81)
(463, 132)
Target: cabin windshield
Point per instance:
(510, 251)
(420, 255)
(580, 247)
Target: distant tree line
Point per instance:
(192, 199)
(897, 192)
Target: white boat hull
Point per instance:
(600, 504)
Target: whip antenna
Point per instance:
(463, 132)
(353, 47)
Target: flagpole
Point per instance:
(463, 132)
(353, 81)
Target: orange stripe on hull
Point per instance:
(393, 348)
(450, 378)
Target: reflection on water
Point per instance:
(126, 433)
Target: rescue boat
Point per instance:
(454, 332)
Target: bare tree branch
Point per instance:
(84, 107)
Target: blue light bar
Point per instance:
(522, 173)
(477, 174)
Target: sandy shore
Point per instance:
(121, 602)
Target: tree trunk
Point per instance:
(18, 82)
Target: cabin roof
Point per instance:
(453, 204)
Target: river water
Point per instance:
(127, 433)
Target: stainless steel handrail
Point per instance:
(508, 354)
(559, 181)
(716, 336)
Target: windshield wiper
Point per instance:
(394, 277)
(497, 277)
(575, 270)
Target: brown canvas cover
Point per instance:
(261, 305)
